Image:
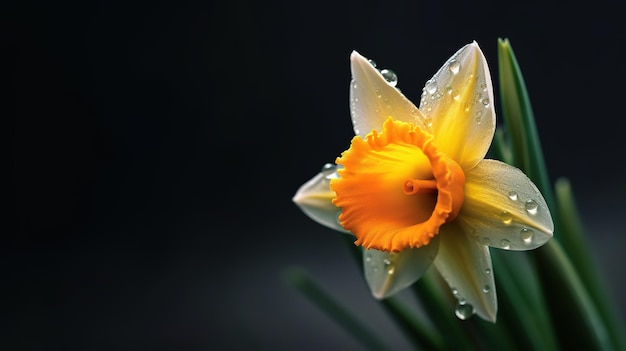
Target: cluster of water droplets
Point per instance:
(442, 87)
(387, 264)
(526, 234)
(392, 80)
(463, 310)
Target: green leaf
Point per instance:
(301, 281)
(417, 332)
(518, 116)
(576, 247)
(566, 293)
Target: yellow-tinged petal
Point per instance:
(504, 209)
(373, 100)
(315, 199)
(465, 264)
(458, 101)
(387, 273)
(396, 189)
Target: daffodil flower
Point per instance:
(414, 187)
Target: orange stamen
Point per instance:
(396, 189)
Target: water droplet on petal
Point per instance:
(372, 62)
(485, 102)
(389, 266)
(487, 270)
(328, 168)
(329, 171)
(483, 86)
(506, 217)
(486, 289)
(513, 195)
(505, 244)
(455, 291)
(391, 269)
(486, 241)
(390, 76)
(428, 121)
(531, 206)
(368, 257)
(431, 86)
(454, 66)
(464, 311)
(526, 235)
(479, 116)
(454, 93)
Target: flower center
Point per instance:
(396, 189)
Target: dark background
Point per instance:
(154, 148)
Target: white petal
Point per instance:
(459, 102)
(504, 209)
(315, 199)
(372, 99)
(466, 266)
(387, 273)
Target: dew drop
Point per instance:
(329, 171)
(505, 244)
(486, 289)
(354, 86)
(390, 76)
(368, 257)
(531, 206)
(372, 62)
(512, 195)
(431, 86)
(526, 235)
(455, 292)
(486, 241)
(415, 112)
(479, 116)
(428, 121)
(464, 311)
(487, 270)
(389, 266)
(454, 66)
(391, 269)
(455, 94)
(328, 168)
(483, 86)
(506, 217)
(485, 102)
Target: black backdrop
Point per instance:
(154, 148)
